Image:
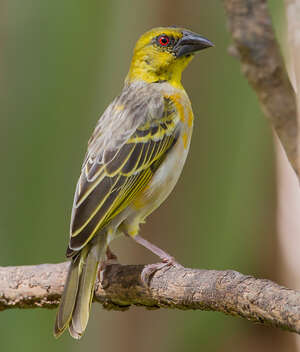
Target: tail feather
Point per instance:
(66, 307)
(85, 295)
(76, 300)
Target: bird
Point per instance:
(134, 159)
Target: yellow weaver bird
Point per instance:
(134, 159)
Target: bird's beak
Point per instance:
(190, 43)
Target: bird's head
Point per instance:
(161, 54)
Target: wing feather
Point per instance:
(112, 176)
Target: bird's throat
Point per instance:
(147, 72)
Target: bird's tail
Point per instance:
(74, 308)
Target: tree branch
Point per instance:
(230, 292)
(256, 46)
(293, 26)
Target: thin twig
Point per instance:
(230, 292)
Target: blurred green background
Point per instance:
(61, 63)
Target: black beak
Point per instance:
(190, 43)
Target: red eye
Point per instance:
(163, 40)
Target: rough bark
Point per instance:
(259, 54)
(230, 292)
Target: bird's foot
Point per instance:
(111, 258)
(150, 269)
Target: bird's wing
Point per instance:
(117, 167)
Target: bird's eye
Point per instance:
(163, 40)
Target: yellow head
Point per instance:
(161, 54)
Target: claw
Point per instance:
(111, 256)
(111, 259)
(150, 269)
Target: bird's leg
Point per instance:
(164, 256)
(111, 258)
(151, 269)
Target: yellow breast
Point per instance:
(167, 175)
